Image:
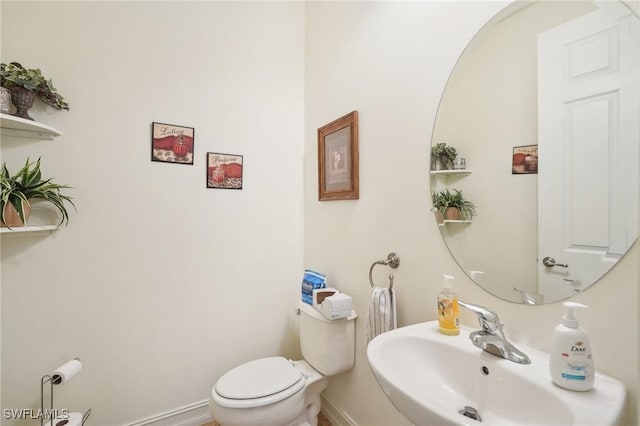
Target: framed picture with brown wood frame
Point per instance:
(338, 173)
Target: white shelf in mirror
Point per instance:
(29, 230)
(453, 221)
(451, 172)
(23, 128)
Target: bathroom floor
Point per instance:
(322, 421)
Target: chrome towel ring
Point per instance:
(392, 260)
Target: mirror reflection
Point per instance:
(544, 108)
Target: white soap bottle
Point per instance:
(571, 362)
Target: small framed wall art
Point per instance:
(525, 160)
(224, 171)
(338, 174)
(172, 144)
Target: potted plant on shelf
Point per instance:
(27, 84)
(17, 192)
(444, 153)
(452, 206)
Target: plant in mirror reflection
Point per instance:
(443, 152)
(447, 202)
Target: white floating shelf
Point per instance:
(451, 172)
(29, 230)
(23, 128)
(453, 221)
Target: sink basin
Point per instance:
(430, 377)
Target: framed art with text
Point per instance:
(224, 171)
(172, 144)
(524, 160)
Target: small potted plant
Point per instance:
(452, 206)
(17, 192)
(27, 84)
(444, 153)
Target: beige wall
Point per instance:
(158, 284)
(158, 306)
(390, 62)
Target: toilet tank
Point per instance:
(328, 345)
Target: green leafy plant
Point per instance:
(444, 153)
(446, 199)
(15, 75)
(26, 185)
(442, 149)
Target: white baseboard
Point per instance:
(336, 416)
(194, 414)
(198, 413)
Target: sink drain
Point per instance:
(470, 412)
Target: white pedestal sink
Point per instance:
(430, 377)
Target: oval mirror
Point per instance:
(543, 111)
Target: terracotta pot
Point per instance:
(439, 217)
(12, 218)
(452, 213)
(23, 100)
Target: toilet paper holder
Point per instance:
(52, 414)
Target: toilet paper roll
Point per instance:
(66, 372)
(73, 419)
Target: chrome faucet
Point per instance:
(529, 299)
(491, 338)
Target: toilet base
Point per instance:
(316, 383)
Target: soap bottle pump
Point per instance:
(571, 362)
(448, 310)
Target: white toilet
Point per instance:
(279, 392)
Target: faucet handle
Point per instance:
(489, 320)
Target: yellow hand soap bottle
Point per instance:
(448, 316)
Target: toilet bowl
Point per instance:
(276, 391)
(281, 392)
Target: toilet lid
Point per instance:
(259, 378)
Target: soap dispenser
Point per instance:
(448, 310)
(571, 361)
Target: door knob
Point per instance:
(550, 261)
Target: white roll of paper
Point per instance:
(66, 372)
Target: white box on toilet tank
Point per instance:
(328, 345)
(331, 303)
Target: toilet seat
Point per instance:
(257, 383)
